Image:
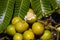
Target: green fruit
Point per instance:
(38, 28)
(47, 35)
(28, 35)
(11, 30)
(21, 26)
(30, 17)
(18, 36)
(16, 20)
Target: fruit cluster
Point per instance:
(22, 30)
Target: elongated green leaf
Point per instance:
(55, 3)
(21, 8)
(6, 11)
(42, 7)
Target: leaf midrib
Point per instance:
(4, 13)
(20, 7)
(42, 6)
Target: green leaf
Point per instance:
(6, 11)
(21, 8)
(41, 7)
(55, 3)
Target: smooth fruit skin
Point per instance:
(18, 36)
(21, 26)
(11, 30)
(38, 28)
(47, 35)
(16, 20)
(28, 35)
(30, 10)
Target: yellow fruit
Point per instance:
(28, 35)
(38, 28)
(46, 36)
(18, 36)
(21, 26)
(58, 29)
(30, 17)
(30, 10)
(16, 20)
(11, 30)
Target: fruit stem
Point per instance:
(57, 25)
(57, 35)
(49, 25)
(52, 27)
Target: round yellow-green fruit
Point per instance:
(30, 17)
(21, 26)
(38, 28)
(18, 36)
(28, 35)
(11, 30)
(46, 36)
(16, 20)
